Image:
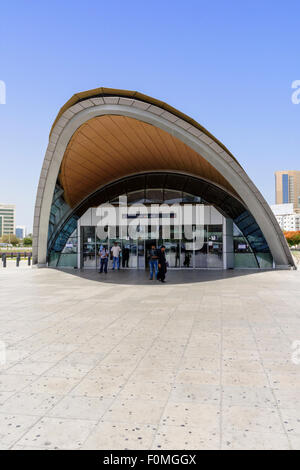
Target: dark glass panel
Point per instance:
(136, 196)
(155, 180)
(174, 181)
(172, 197)
(155, 196)
(135, 182)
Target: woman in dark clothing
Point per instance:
(162, 264)
(125, 257)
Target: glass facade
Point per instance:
(70, 248)
(135, 252)
(285, 189)
(243, 254)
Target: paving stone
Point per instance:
(203, 362)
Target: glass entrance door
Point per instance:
(186, 255)
(132, 247)
(180, 253)
(141, 254)
(200, 253)
(88, 247)
(172, 253)
(214, 246)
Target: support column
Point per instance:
(228, 248)
(79, 257)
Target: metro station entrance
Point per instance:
(223, 245)
(135, 253)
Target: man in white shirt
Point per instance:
(116, 255)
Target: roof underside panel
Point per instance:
(110, 147)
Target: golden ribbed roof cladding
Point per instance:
(109, 147)
(102, 91)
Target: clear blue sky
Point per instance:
(228, 64)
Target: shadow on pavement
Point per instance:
(141, 277)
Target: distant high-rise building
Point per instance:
(7, 219)
(21, 231)
(287, 188)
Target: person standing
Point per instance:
(162, 264)
(116, 250)
(153, 262)
(103, 252)
(125, 257)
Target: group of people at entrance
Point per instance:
(157, 260)
(104, 255)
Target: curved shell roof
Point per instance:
(102, 91)
(104, 134)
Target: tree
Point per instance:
(293, 238)
(27, 241)
(10, 239)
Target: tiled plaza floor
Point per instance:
(121, 362)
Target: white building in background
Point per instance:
(7, 219)
(21, 231)
(286, 217)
